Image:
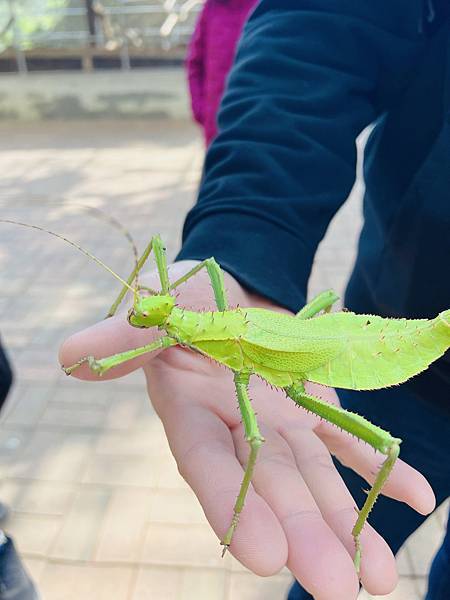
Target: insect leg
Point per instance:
(157, 246)
(255, 439)
(139, 264)
(323, 301)
(102, 365)
(364, 430)
(215, 275)
(161, 263)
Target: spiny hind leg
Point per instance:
(255, 440)
(216, 277)
(102, 365)
(323, 301)
(391, 451)
(364, 430)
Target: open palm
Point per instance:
(299, 512)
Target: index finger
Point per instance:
(203, 448)
(106, 338)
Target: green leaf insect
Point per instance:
(343, 350)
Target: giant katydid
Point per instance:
(343, 350)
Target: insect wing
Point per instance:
(347, 350)
(379, 352)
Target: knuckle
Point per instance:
(281, 459)
(302, 515)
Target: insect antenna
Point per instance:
(138, 262)
(79, 248)
(104, 216)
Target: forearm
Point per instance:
(284, 160)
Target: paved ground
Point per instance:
(98, 505)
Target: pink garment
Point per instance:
(210, 57)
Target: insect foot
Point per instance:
(94, 365)
(229, 534)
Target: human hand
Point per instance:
(299, 512)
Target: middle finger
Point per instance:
(378, 571)
(317, 558)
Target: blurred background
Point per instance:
(39, 35)
(94, 111)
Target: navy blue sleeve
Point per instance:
(308, 77)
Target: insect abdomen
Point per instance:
(297, 362)
(379, 352)
(344, 349)
(226, 352)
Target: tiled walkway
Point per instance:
(97, 503)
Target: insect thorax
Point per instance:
(190, 327)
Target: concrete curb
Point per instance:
(71, 95)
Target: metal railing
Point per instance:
(92, 28)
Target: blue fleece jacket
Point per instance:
(309, 76)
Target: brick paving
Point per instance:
(97, 503)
